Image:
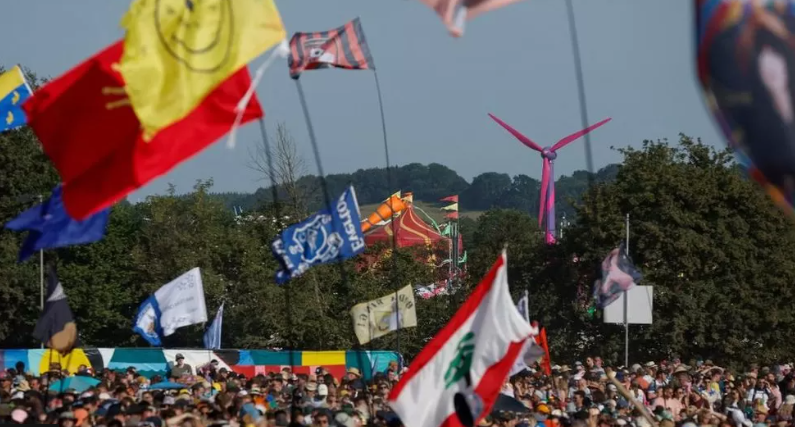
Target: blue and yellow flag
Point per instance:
(14, 90)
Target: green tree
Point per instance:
(26, 177)
(713, 246)
(485, 191)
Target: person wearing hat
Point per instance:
(353, 373)
(354, 377)
(180, 368)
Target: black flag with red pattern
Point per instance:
(343, 47)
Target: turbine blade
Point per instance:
(524, 140)
(565, 141)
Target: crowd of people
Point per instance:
(585, 395)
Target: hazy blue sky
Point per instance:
(515, 62)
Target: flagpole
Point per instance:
(277, 212)
(41, 274)
(626, 305)
(326, 197)
(391, 208)
(527, 306)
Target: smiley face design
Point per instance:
(197, 33)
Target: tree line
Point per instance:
(714, 247)
(429, 183)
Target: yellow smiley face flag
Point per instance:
(177, 51)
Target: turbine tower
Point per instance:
(549, 154)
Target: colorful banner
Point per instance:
(154, 361)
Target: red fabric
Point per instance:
(97, 146)
(541, 339)
(491, 383)
(409, 229)
(451, 199)
(452, 215)
(470, 306)
(250, 371)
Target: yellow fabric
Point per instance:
(453, 207)
(377, 318)
(70, 361)
(320, 358)
(178, 51)
(10, 81)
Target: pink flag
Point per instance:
(455, 12)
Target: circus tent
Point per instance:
(410, 230)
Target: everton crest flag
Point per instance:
(333, 234)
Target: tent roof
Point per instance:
(409, 229)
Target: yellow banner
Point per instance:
(381, 316)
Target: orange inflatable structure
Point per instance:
(392, 207)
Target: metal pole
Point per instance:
(527, 306)
(41, 275)
(626, 307)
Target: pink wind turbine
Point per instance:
(549, 154)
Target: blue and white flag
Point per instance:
(522, 306)
(176, 304)
(212, 337)
(332, 234)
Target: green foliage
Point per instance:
(714, 247)
(431, 183)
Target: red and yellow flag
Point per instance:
(87, 128)
(176, 52)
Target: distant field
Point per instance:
(432, 209)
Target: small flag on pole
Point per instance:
(56, 327)
(14, 90)
(522, 306)
(50, 226)
(618, 275)
(455, 13)
(212, 338)
(381, 316)
(176, 304)
(343, 47)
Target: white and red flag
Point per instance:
(472, 355)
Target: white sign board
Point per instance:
(640, 307)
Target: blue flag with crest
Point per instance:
(332, 234)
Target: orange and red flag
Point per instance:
(343, 47)
(93, 137)
(541, 340)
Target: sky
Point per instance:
(516, 62)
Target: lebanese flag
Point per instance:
(479, 344)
